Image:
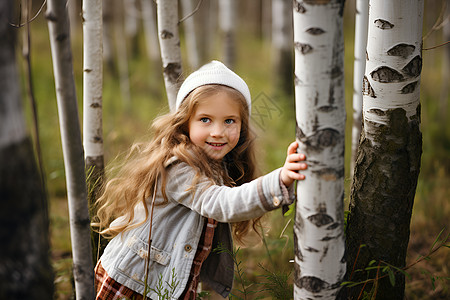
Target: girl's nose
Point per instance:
(217, 131)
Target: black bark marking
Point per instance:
(326, 108)
(403, 50)
(336, 72)
(317, 2)
(309, 249)
(377, 111)
(414, 67)
(320, 219)
(409, 88)
(95, 105)
(173, 72)
(315, 31)
(298, 7)
(52, 17)
(303, 48)
(297, 251)
(87, 70)
(166, 34)
(97, 139)
(325, 251)
(367, 88)
(311, 284)
(386, 74)
(61, 37)
(367, 56)
(333, 226)
(319, 140)
(383, 24)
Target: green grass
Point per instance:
(125, 123)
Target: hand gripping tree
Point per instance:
(388, 159)
(320, 113)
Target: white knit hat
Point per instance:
(214, 72)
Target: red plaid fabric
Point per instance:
(109, 289)
(203, 250)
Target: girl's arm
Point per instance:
(233, 204)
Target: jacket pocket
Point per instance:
(132, 262)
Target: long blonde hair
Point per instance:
(136, 179)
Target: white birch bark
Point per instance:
(394, 60)
(227, 23)
(150, 30)
(190, 33)
(361, 19)
(388, 160)
(169, 41)
(72, 148)
(92, 81)
(320, 113)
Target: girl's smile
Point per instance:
(215, 125)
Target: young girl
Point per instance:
(199, 169)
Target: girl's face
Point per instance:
(215, 125)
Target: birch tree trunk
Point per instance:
(72, 148)
(25, 268)
(388, 160)
(93, 107)
(320, 113)
(190, 33)
(227, 23)
(282, 45)
(150, 31)
(361, 19)
(169, 41)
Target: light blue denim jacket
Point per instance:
(177, 227)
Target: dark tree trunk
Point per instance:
(25, 269)
(388, 160)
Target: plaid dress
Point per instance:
(109, 289)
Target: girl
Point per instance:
(199, 170)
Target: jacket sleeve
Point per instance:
(227, 204)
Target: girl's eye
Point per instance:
(204, 120)
(229, 121)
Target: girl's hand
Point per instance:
(293, 164)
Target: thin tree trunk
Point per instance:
(150, 31)
(122, 53)
(72, 148)
(227, 22)
(108, 33)
(443, 102)
(131, 25)
(25, 268)
(320, 113)
(388, 160)
(282, 45)
(361, 19)
(169, 41)
(190, 34)
(92, 108)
